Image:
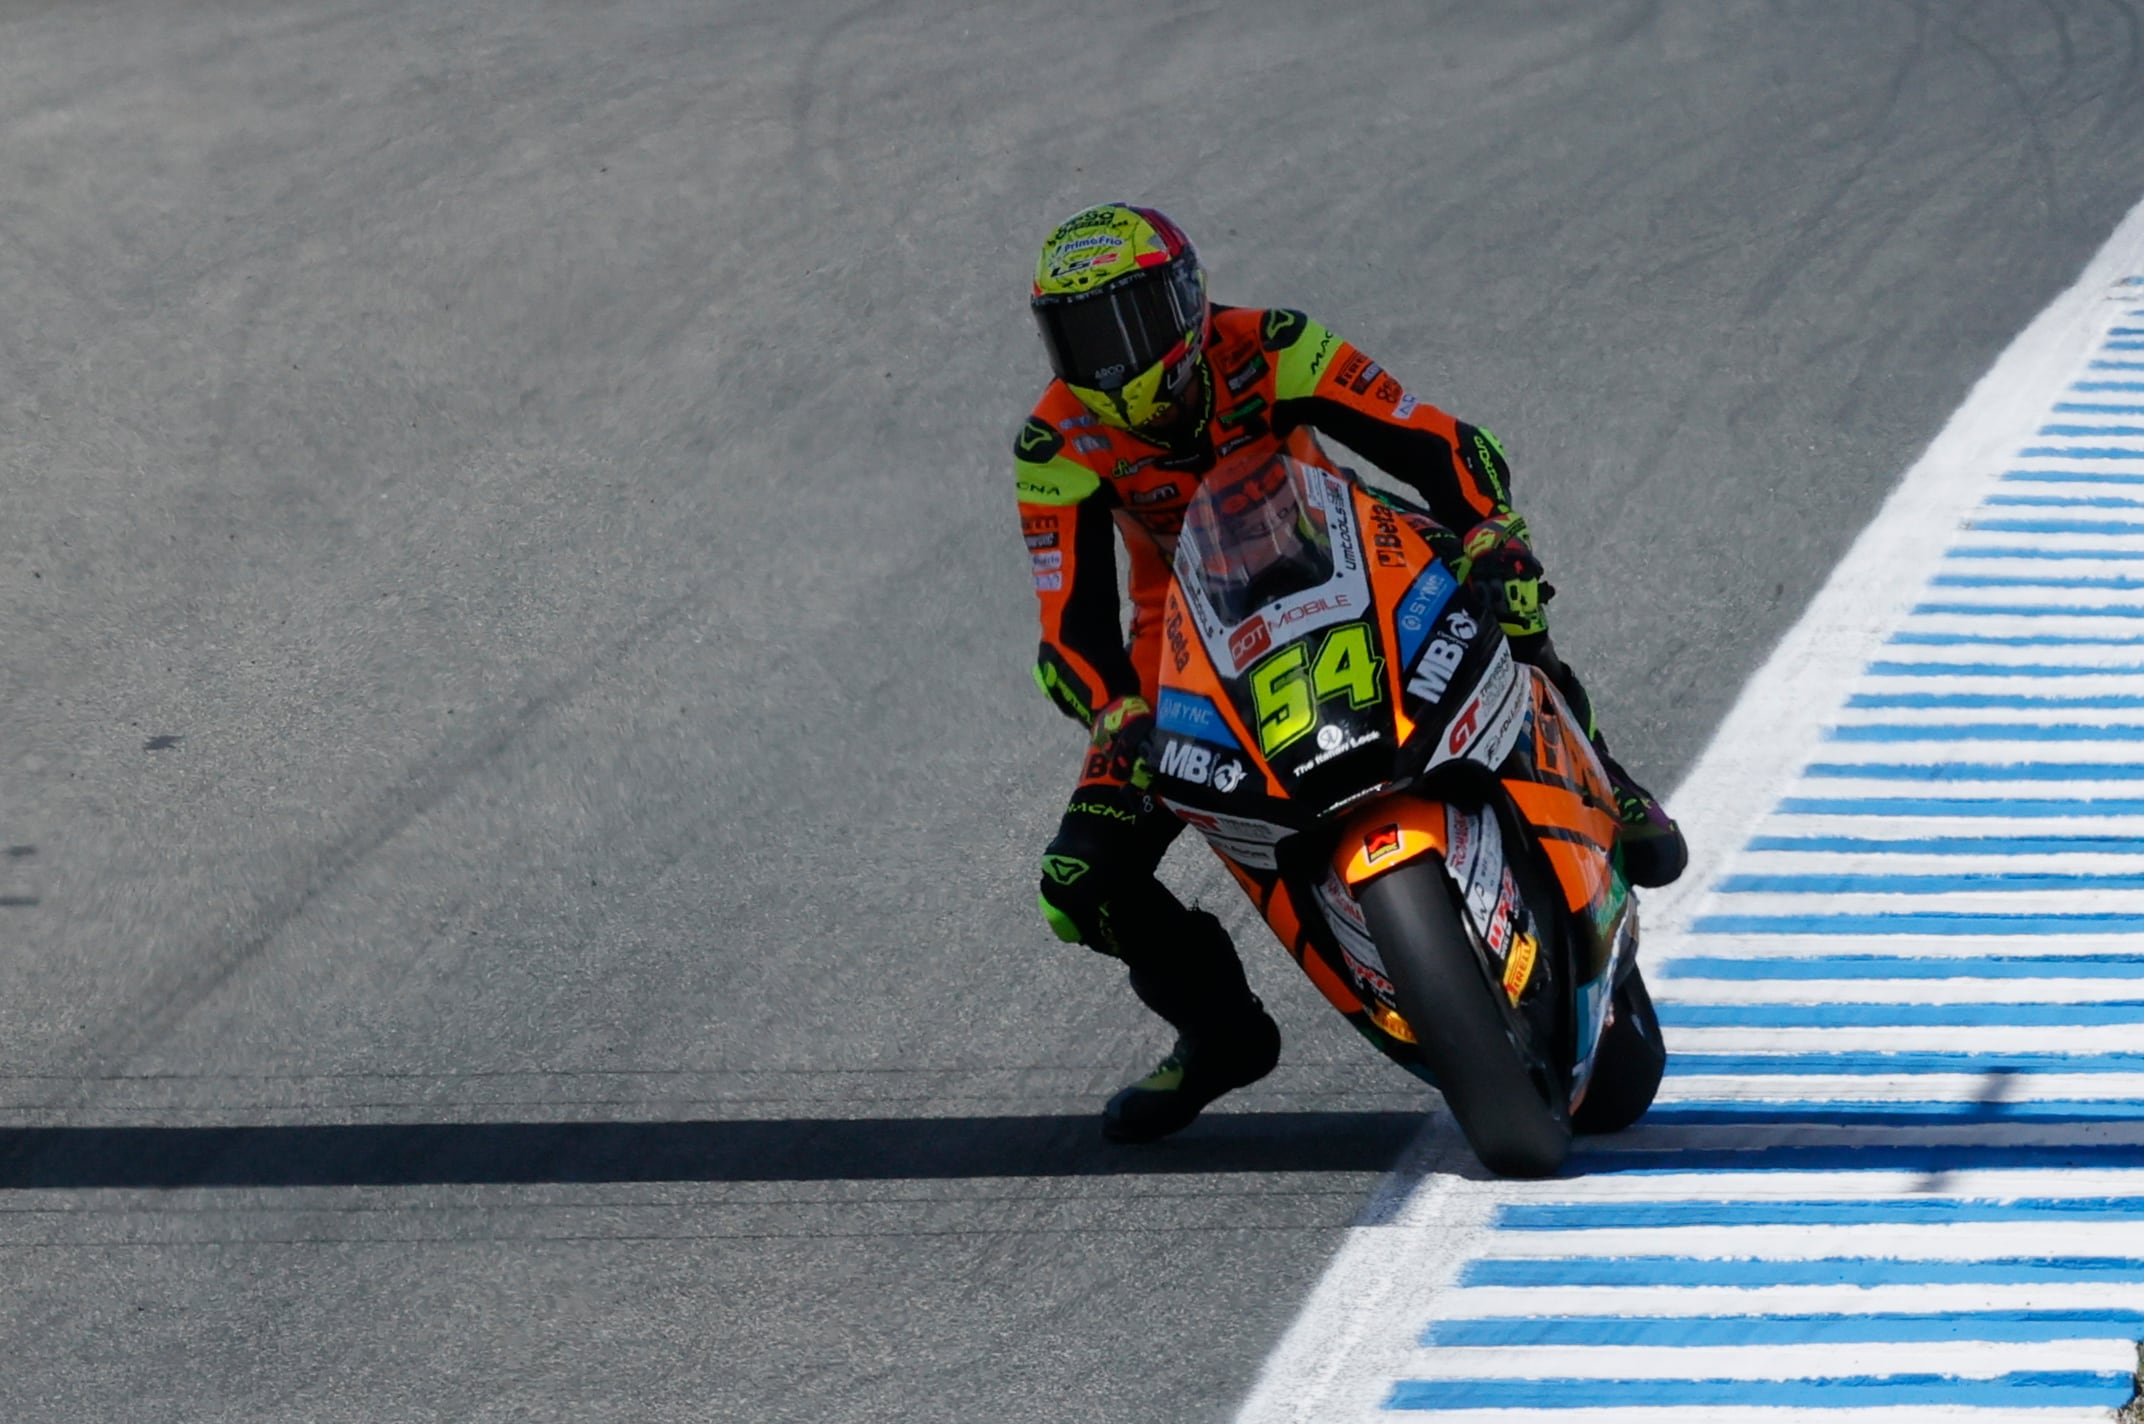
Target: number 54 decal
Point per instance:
(1286, 687)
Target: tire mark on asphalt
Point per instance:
(1806, 238)
(2040, 167)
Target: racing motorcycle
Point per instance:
(1416, 813)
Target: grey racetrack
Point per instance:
(519, 782)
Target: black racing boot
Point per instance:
(1225, 1037)
(1654, 852)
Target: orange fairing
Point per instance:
(1387, 834)
(1564, 800)
(1272, 900)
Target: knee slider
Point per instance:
(1071, 899)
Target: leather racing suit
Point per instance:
(1274, 376)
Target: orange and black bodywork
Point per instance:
(1339, 732)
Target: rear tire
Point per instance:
(1626, 1071)
(1490, 1079)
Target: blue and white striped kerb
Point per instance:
(1897, 1171)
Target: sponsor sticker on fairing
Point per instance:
(1432, 676)
(1463, 840)
(1049, 583)
(1244, 840)
(1487, 724)
(1417, 613)
(1353, 931)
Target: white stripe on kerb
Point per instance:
(1358, 1332)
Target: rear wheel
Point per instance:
(1503, 1089)
(1626, 1071)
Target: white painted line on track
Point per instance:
(1926, 1202)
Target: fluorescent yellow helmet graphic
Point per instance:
(1121, 302)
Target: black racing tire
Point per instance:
(1626, 1071)
(1501, 1094)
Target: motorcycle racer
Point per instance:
(1153, 385)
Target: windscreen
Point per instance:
(1253, 535)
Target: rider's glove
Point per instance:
(1499, 562)
(1122, 730)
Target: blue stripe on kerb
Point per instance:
(2113, 581)
(1591, 1159)
(1833, 1271)
(2058, 526)
(2065, 501)
(1889, 668)
(2072, 477)
(2110, 431)
(2116, 365)
(2097, 556)
(2012, 640)
(2018, 700)
(2079, 452)
(1862, 1064)
(2097, 408)
(1898, 966)
(1985, 732)
(1918, 806)
(1976, 846)
(1959, 771)
(1837, 1015)
(2007, 1327)
(2107, 385)
(2036, 610)
(1829, 1113)
(2037, 1390)
(1877, 883)
(1925, 922)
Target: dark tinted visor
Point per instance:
(1102, 339)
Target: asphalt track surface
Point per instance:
(518, 776)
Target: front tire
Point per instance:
(1497, 1086)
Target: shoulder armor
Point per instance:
(1037, 443)
(1281, 329)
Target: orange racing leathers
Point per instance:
(1274, 376)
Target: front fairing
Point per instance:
(1294, 687)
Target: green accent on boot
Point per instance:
(1167, 1077)
(1173, 1095)
(1060, 923)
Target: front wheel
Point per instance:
(1502, 1091)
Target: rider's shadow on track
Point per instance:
(1043, 1145)
(770, 1150)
